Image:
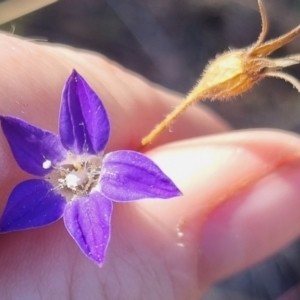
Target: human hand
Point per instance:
(240, 189)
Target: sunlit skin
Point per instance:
(235, 72)
(159, 250)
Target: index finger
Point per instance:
(33, 76)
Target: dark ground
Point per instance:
(170, 42)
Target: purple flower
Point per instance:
(78, 182)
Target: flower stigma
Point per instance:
(76, 176)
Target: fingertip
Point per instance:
(252, 225)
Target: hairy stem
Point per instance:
(167, 121)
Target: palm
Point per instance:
(143, 262)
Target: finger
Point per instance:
(32, 77)
(31, 81)
(253, 224)
(241, 199)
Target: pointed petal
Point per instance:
(32, 146)
(88, 222)
(84, 125)
(129, 175)
(32, 203)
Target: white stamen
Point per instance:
(47, 164)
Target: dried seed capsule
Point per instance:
(235, 72)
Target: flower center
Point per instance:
(76, 176)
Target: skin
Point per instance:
(241, 189)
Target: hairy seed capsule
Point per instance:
(235, 72)
(229, 75)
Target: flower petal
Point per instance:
(32, 146)
(32, 203)
(129, 175)
(83, 125)
(88, 221)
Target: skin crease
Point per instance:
(240, 189)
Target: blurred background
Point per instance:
(170, 42)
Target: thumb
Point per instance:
(241, 198)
